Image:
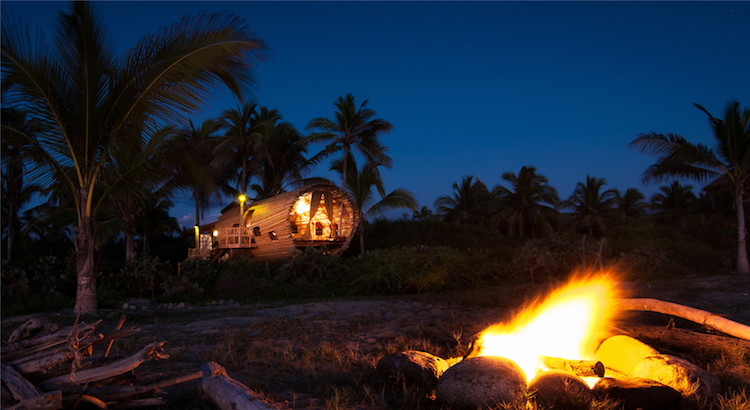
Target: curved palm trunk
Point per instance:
(85, 235)
(743, 267)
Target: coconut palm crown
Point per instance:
(726, 163)
(591, 205)
(526, 206)
(352, 128)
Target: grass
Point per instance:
(327, 362)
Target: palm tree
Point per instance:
(591, 205)
(246, 130)
(156, 220)
(362, 184)
(469, 203)
(133, 196)
(282, 160)
(194, 167)
(673, 201)
(353, 127)
(631, 204)
(14, 192)
(522, 205)
(86, 98)
(423, 214)
(727, 163)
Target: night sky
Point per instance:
(481, 88)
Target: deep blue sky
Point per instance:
(482, 88)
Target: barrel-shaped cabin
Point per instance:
(318, 215)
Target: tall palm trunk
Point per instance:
(85, 235)
(129, 233)
(344, 166)
(12, 214)
(361, 236)
(243, 177)
(197, 210)
(14, 184)
(743, 267)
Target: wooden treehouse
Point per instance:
(317, 215)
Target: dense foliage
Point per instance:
(404, 256)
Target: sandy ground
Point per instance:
(284, 350)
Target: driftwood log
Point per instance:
(150, 352)
(702, 317)
(52, 369)
(686, 340)
(228, 393)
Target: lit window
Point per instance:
(273, 235)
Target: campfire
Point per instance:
(562, 351)
(561, 331)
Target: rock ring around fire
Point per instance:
(558, 389)
(484, 381)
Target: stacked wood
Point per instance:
(59, 368)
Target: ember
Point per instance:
(567, 324)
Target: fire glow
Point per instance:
(568, 324)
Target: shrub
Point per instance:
(47, 283)
(245, 279)
(141, 277)
(194, 280)
(423, 269)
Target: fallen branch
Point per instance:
(152, 351)
(685, 340)
(19, 387)
(45, 401)
(27, 347)
(228, 393)
(118, 393)
(31, 326)
(702, 317)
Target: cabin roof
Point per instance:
(284, 196)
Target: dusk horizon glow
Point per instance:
(479, 88)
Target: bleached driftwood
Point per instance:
(685, 340)
(123, 393)
(702, 317)
(27, 394)
(19, 387)
(27, 347)
(45, 401)
(228, 393)
(31, 326)
(152, 351)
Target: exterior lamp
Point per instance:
(216, 233)
(242, 198)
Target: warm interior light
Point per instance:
(302, 207)
(566, 324)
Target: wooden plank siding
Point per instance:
(272, 229)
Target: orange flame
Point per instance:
(568, 324)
